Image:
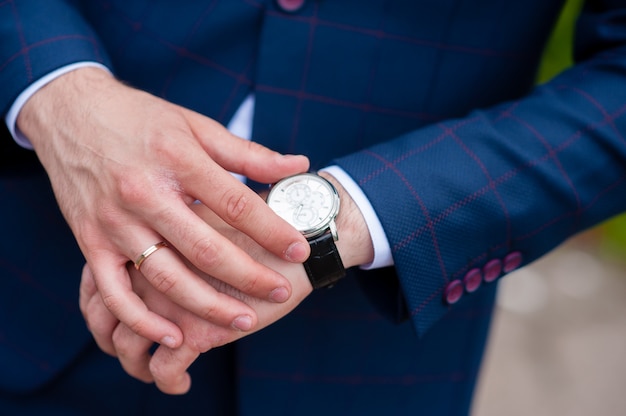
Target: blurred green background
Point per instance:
(610, 236)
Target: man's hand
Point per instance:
(125, 167)
(168, 366)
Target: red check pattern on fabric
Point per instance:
(429, 106)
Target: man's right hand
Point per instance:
(126, 166)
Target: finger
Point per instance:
(99, 319)
(243, 156)
(87, 291)
(246, 211)
(169, 368)
(117, 295)
(165, 271)
(133, 352)
(212, 253)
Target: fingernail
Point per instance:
(279, 295)
(296, 252)
(300, 161)
(169, 341)
(291, 156)
(243, 323)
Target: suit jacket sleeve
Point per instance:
(508, 183)
(39, 36)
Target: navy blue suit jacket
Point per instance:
(429, 105)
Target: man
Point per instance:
(425, 113)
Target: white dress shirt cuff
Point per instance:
(14, 111)
(382, 250)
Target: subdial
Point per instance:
(304, 216)
(298, 193)
(315, 200)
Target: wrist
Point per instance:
(57, 99)
(354, 244)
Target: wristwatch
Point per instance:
(311, 203)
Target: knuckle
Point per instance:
(201, 342)
(269, 235)
(96, 325)
(163, 280)
(255, 148)
(159, 371)
(124, 337)
(132, 188)
(199, 333)
(112, 303)
(122, 345)
(237, 205)
(208, 313)
(174, 153)
(167, 372)
(216, 339)
(249, 283)
(109, 216)
(138, 327)
(206, 254)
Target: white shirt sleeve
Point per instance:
(14, 111)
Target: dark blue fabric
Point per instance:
(429, 106)
(94, 384)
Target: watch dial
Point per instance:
(308, 202)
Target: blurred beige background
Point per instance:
(558, 341)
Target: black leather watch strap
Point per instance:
(324, 266)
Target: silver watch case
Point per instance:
(308, 202)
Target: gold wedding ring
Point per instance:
(147, 252)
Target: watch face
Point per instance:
(306, 201)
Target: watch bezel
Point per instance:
(334, 210)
